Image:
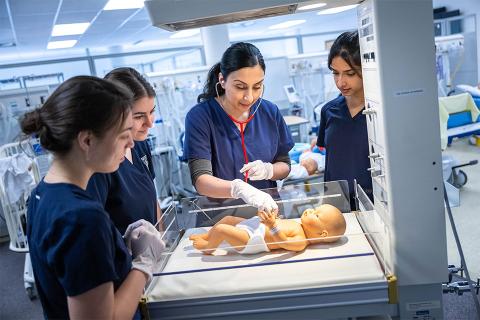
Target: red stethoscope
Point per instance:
(242, 125)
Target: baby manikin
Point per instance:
(266, 232)
(310, 162)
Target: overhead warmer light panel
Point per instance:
(175, 15)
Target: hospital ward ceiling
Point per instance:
(26, 29)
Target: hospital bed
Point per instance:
(459, 117)
(326, 281)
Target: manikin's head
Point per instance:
(312, 161)
(324, 224)
(310, 165)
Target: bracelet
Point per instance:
(275, 230)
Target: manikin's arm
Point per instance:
(280, 170)
(291, 242)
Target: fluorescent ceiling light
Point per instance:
(185, 33)
(61, 44)
(312, 6)
(337, 9)
(69, 29)
(286, 24)
(123, 4)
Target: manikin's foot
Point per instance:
(202, 245)
(203, 236)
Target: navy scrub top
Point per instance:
(128, 194)
(74, 246)
(346, 142)
(210, 134)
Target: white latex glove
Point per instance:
(146, 246)
(128, 236)
(252, 196)
(258, 170)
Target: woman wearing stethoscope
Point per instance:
(235, 141)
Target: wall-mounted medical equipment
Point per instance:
(313, 81)
(293, 97)
(177, 92)
(292, 94)
(449, 57)
(29, 92)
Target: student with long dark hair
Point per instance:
(129, 193)
(82, 266)
(343, 126)
(236, 142)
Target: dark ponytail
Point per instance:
(80, 103)
(347, 47)
(32, 124)
(211, 84)
(237, 56)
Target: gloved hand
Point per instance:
(128, 236)
(258, 170)
(252, 196)
(146, 246)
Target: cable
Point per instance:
(460, 251)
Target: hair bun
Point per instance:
(31, 122)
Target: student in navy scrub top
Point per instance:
(82, 267)
(233, 134)
(343, 126)
(129, 193)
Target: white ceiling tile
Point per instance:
(33, 23)
(3, 9)
(83, 5)
(75, 17)
(33, 7)
(141, 15)
(138, 24)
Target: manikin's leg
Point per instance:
(230, 220)
(235, 237)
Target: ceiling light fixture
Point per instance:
(69, 29)
(312, 6)
(286, 24)
(61, 44)
(123, 4)
(337, 9)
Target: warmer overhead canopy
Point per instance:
(175, 15)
